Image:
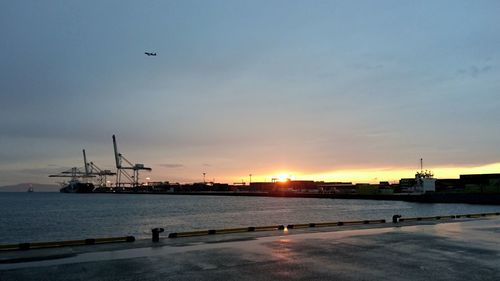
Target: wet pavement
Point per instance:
(455, 250)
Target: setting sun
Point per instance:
(283, 177)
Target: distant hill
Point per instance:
(23, 187)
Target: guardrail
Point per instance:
(66, 243)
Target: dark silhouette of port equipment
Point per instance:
(126, 175)
(92, 169)
(150, 54)
(73, 173)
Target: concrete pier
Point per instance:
(466, 249)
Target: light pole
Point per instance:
(204, 178)
(250, 175)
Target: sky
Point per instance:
(328, 90)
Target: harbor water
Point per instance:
(30, 217)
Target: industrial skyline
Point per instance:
(333, 90)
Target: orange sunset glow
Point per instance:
(375, 175)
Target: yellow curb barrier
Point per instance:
(225, 231)
(398, 218)
(66, 243)
(330, 224)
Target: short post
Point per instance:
(156, 234)
(395, 218)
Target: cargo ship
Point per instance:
(75, 186)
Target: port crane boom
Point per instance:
(93, 170)
(73, 173)
(123, 167)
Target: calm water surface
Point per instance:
(28, 217)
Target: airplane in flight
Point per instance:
(150, 54)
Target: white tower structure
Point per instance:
(425, 181)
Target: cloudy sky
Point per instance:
(331, 90)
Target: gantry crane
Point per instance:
(92, 169)
(74, 173)
(123, 167)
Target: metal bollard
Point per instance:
(156, 233)
(395, 218)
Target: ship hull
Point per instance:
(77, 187)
